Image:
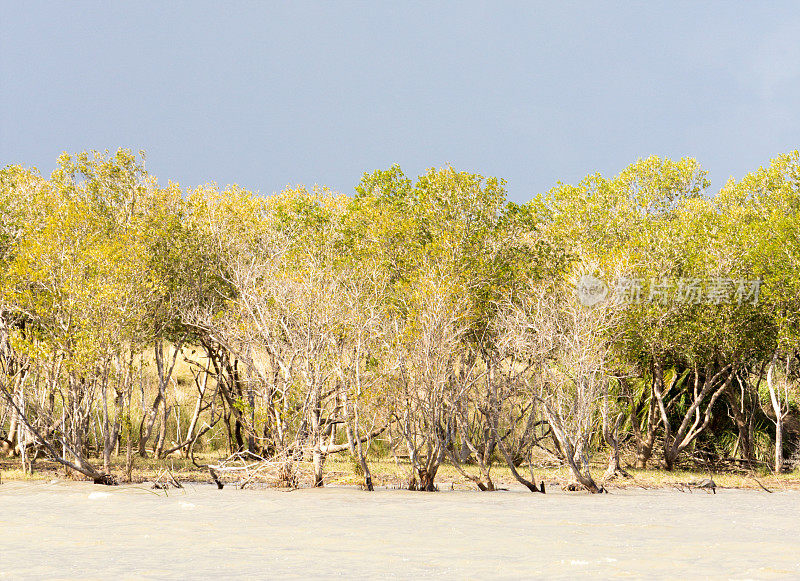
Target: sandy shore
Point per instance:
(64, 530)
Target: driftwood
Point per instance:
(166, 479)
(578, 487)
(759, 483)
(246, 468)
(706, 484)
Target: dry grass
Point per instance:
(341, 471)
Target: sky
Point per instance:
(270, 94)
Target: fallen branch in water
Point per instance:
(759, 483)
(165, 479)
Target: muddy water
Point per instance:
(69, 531)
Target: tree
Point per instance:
(80, 304)
(765, 206)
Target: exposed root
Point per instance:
(216, 479)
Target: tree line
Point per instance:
(639, 312)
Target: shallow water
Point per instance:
(69, 530)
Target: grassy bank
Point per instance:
(342, 471)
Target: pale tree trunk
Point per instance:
(352, 429)
(319, 463)
(318, 457)
(425, 457)
(21, 439)
(575, 455)
(779, 446)
(164, 375)
(529, 484)
(489, 410)
(425, 466)
(129, 453)
(201, 386)
(362, 459)
(742, 406)
(111, 429)
(192, 434)
(425, 474)
(484, 481)
(778, 406)
(158, 449)
(611, 437)
(659, 393)
(695, 420)
(150, 420)
(12, 430)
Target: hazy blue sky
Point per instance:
(266, 94)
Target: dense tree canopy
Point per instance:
(430, 319)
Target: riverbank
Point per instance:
(340, 471)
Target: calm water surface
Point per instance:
(82, 531)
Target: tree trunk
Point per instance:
(112, 437)
(201, 386)
(424, 481)
(316, 436)
(150, 419)
(129, 454)
(12, 430)
(354, 441)
(610, 435)
(575, 455)
(740, 404)
(777, 408)
(319, 463)
(158, 449)
(529, 484)
(164, 375)
(695, 421)
(111, 429)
